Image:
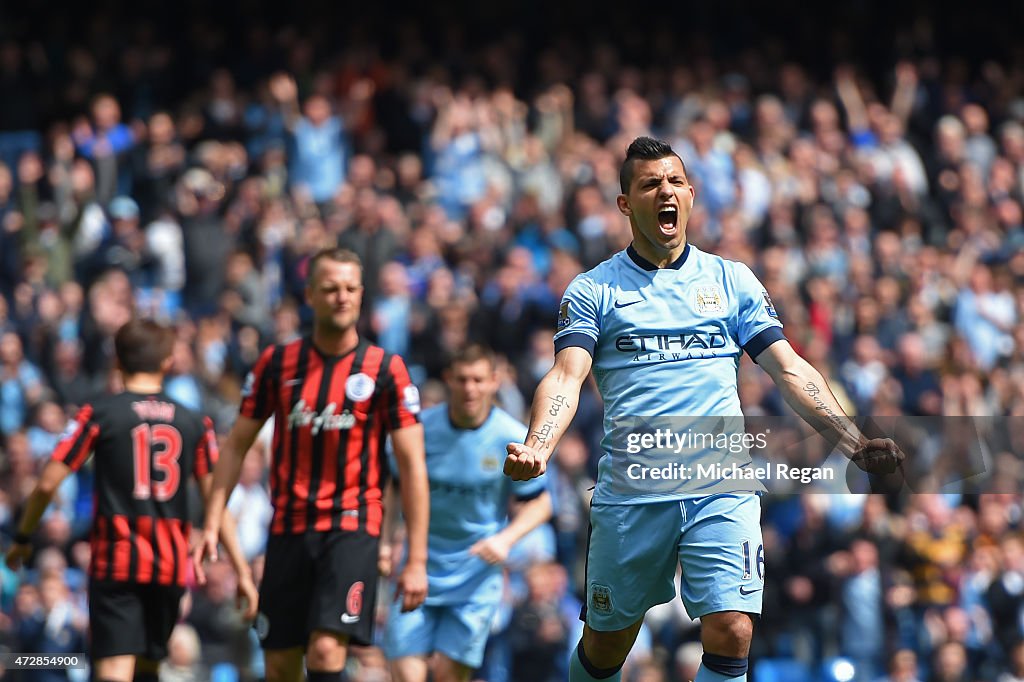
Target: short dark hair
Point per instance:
(142, 345)
(331, 253)
(474, 352)
(644, 149)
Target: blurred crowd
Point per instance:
(189, 175)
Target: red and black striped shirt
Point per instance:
(145, 445)
(332, 415)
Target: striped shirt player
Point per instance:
(334, 399)
(145, 449)
(331, 415)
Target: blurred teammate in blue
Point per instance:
(663, 325)
(470, 532)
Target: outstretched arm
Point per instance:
(805, 390)
(554, 406)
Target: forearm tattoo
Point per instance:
(543, 435)
(836, 420)
(557, 403)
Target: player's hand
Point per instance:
(524, 463)
(878, 456)
(412, 586)
(206, 549)
(385, 559)
(493, 550)
(17, 554)
(247, 597)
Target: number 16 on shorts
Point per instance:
(758, 561)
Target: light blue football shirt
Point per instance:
(469, 499)
(666, 343)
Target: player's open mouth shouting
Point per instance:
(668, 219)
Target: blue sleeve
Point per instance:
(579, 316)
(757, 322)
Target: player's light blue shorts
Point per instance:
(459, 631)
(634, 550)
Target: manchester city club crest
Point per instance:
(601, 598)
(708, 299)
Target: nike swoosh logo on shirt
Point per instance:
(627, 303)
(746, 592)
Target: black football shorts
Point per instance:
(318, 581)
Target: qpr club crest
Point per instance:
(708, 299)
(359, 387)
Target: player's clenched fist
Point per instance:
(878, 456)
(524, 463)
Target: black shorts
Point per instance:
(318, 581)
(131, 619)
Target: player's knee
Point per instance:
(727, 634)
(326, 651)
(606, 650)
(447, 670)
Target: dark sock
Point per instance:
(322, 676)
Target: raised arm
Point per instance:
(554, 406)
(805, 390)
(851, 99)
